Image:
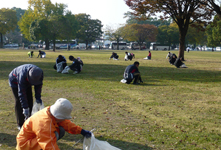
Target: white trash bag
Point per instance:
(36, 107)
(95, 144)
(183, 66)
(59, 67)
(66, 69)
(123, 81)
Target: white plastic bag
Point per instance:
(59, 67)
(123, 81)
(95, 144)
(183, 66)
(66, 69)
(36, 107)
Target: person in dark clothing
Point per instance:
(77, 64)
(42, 54)
(21, 80)
(128, 56)
(60, 59)
(179, 64)
(114, 56)
(172, 58)
(132, 73)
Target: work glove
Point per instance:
(86, 133)
(26, 113)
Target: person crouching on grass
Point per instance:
(47, 126)
(132, 73)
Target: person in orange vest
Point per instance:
(43, 129)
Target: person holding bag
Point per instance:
(21, 80)
(47, 126)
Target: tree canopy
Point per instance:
(140, 33)
(89, 29)
(8, 22)
(115, 34)
(48, 22)
(183, 13)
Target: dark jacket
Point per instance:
(178, 63)
(76, 65)
(114, 55)
(61, 60)
(18, 78)
(131, 69)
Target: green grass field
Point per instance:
(172, 109)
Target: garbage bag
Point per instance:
(36, 107)
(95, 144)
(66, 69)
(59, 67)
(123, 81)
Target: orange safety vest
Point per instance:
(38, 131)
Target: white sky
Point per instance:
(109, 12)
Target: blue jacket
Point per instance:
(18, 78)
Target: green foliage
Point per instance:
(168, 35)
(48, 22)
(8, 22)
(213, 32)
(116, 35)
(89, 29)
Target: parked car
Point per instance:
(95, 46)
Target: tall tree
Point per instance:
(114, 34)
(182, 12)
(39, 12)
(89, 29)
(140, 33)
(8, 22)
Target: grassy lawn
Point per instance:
(172, 109)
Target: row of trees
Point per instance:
(184, 13)
(50, 22)
(165, 32)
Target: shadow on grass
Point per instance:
(117, 143)
(8, 139)
(113, 72)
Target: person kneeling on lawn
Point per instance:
(179, 64)
(149, 56)
(47, 126)
(60, 63)
(114, 56)
(132, 73)
(77, 64)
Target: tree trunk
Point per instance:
(118, 44)
(182, 46)
(54, 45)
(46, 44)
(1, 44)
(86, 45)
(182, 36)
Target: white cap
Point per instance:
(61, 109)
